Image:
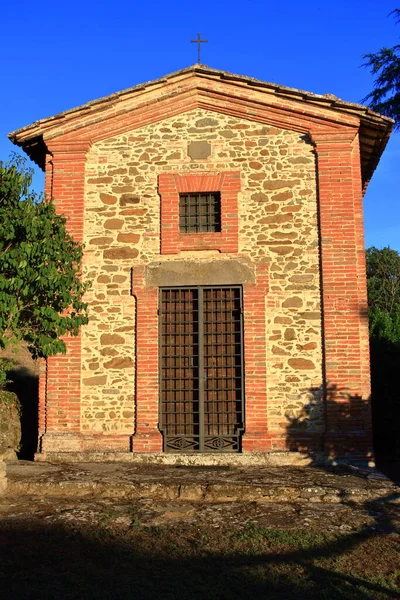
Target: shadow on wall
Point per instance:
(348, 416)
(347, 433)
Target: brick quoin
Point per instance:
(347, 413)
(60, 379)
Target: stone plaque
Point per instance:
(199, 150)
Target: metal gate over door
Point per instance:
(201, 369)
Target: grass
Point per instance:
(294, 538)
(104, 562)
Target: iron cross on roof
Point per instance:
(199, 41)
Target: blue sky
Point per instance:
(58, 55)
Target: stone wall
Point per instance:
(10, 425)
(277, 224)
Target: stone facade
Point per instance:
(290, 176)
(277, 214)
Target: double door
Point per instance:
(201, 369)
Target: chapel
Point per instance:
(222, 224)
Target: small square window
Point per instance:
(200, 212)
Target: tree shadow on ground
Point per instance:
(52, 561)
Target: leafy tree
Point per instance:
(385, 64)
(40, 288)
(383, 280)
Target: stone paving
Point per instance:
(126, 496)
(123, 514)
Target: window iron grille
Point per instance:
(200, 212)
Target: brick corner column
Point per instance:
(61, 380)
(348, 427)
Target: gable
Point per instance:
(224, 93)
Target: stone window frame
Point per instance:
(171, 185)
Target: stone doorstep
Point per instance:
(207, 484)
(254, 459)
(192, 492)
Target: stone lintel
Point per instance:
(206, 272)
